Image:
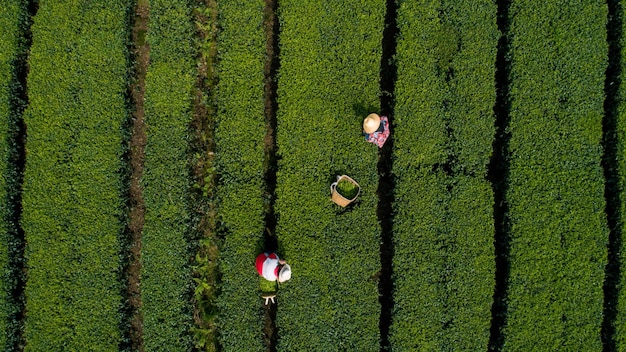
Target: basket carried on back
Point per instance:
(338, 197)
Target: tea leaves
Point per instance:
(558, 224)
(166, 283)
(72, 199)
(443, 227)
(327, 84)
(239, 134)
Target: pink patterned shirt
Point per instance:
(379, 137)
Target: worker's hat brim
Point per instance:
(285, 273)
(371, 123)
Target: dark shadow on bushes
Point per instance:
(16, 274)
(611, 173)
(498, 175)
(362, 110)
(386, 180)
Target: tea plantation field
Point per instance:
(492, 219)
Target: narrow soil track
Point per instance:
(272, 64)
(203, 146)
(140, 55)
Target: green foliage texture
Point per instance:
(327, 83)
(347, 189)
(620, 134)
(239, 133)
(558, 233)
(166, 283)
(12, 24)
(72, 200)
(74, 211)
(443, 266)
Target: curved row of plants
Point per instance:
(327, 83)
(239, 137)
(73, 203)
(12, 25)
(444, 126)
(167, 238)
(558, 231)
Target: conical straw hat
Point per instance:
(371, 123)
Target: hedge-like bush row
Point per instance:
(328, 82)
(620, 134)
(239, 133)
(72, 200)
(444, 126)
(167, 235)
(12, 25)
(558, 235)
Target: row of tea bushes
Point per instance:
(620, 149)
(73, 202)
(12, 24)
(167, 235)
(444, 126)
(328, 82)
(239, 137)
(558, 233)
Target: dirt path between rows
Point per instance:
(386, 180)
(140, 54)
(205, 273)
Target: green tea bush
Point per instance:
(239, 135)
(443, 263)
(72, 199)
(328, 83)
(12, 25)
(166, 283)
(558, 238)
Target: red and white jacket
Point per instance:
(267, 265)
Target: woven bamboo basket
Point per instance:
(337, 197)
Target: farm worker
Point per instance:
(376, 129)
(272, 268)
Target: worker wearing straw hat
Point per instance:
(272, 268)
(376, 129)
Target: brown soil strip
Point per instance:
(272, 64)
(140, 53)
(203, 147)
